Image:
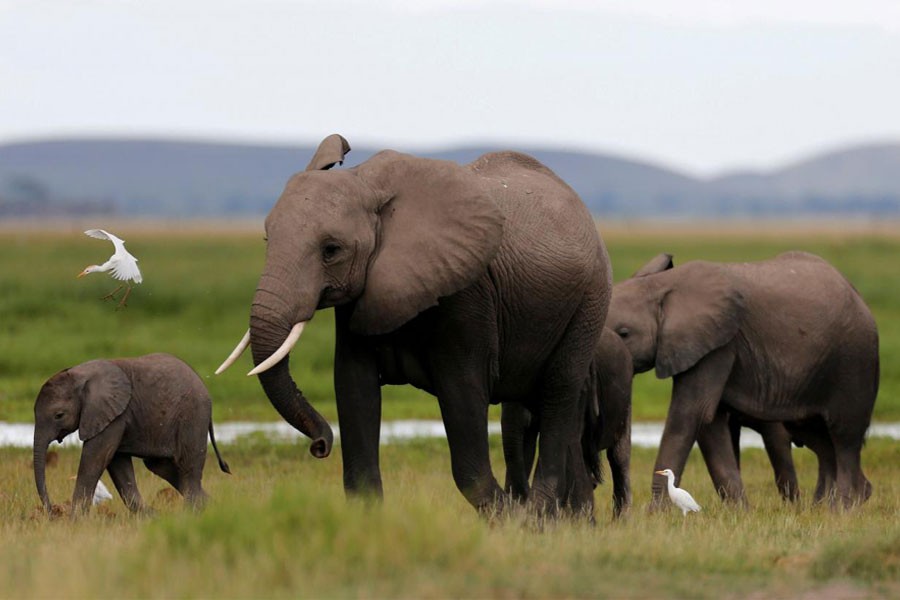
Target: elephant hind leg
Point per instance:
(562, 410)
(814, 435)
(166, 469)
(851, 486)
(619, 458)
(187, 482)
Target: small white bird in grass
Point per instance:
(122, 264)
(101, 492)
(680, 498)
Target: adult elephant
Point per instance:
(480, 284)
(787, 339)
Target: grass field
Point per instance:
(198, 283)
(280, 527)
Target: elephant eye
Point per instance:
(330, 250)
(59, 416)
(623, 332)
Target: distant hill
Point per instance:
(169, 178)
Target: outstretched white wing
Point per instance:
(124, 265)
(102, 234)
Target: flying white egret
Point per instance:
(680, 498)
(122, 264)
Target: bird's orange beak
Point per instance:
(659, 472)
(82, 274)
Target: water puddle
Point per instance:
(644, 435)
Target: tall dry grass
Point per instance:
(280, 527)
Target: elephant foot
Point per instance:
(658, 501)
(495, 508)
(543, 504)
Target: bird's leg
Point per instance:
(112, 294)
(122, 303)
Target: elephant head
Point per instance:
(388, 237)
(670, 317)
(87, 398)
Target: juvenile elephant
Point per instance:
(480, 283)
(787, 339)
(153, 407)
(606, 426)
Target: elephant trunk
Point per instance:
(265, 338)
(40, 464)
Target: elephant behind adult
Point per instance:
(153, 407)
(787, 339)
(481, 283)
(606, 426)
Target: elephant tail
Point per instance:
(212, 437)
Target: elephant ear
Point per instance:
(105, 391)
(658, 264)
(439, 229)
(701, 310)
(330, 152)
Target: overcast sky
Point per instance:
(700, 85)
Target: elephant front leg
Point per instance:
(465, 421)
(96, 455)
(777, 442)
(358, 395)
(715, 441)
(121, 470)
(696, 394)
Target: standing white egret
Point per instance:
(101, 492)
(122, 264)
(680, 498)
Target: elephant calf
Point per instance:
(154, 407)
(606, 426)
(783, 340)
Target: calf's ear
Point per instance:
(701, 311)
(658, 264)
(104, 390)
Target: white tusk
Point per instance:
(238, 350)
(283, 351)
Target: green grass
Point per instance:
(199, 283)
(280, 527)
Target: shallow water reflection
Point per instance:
(644, 435)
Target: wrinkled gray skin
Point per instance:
(480, 284)
(787, 339)
(606, 426)
(153, 407)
